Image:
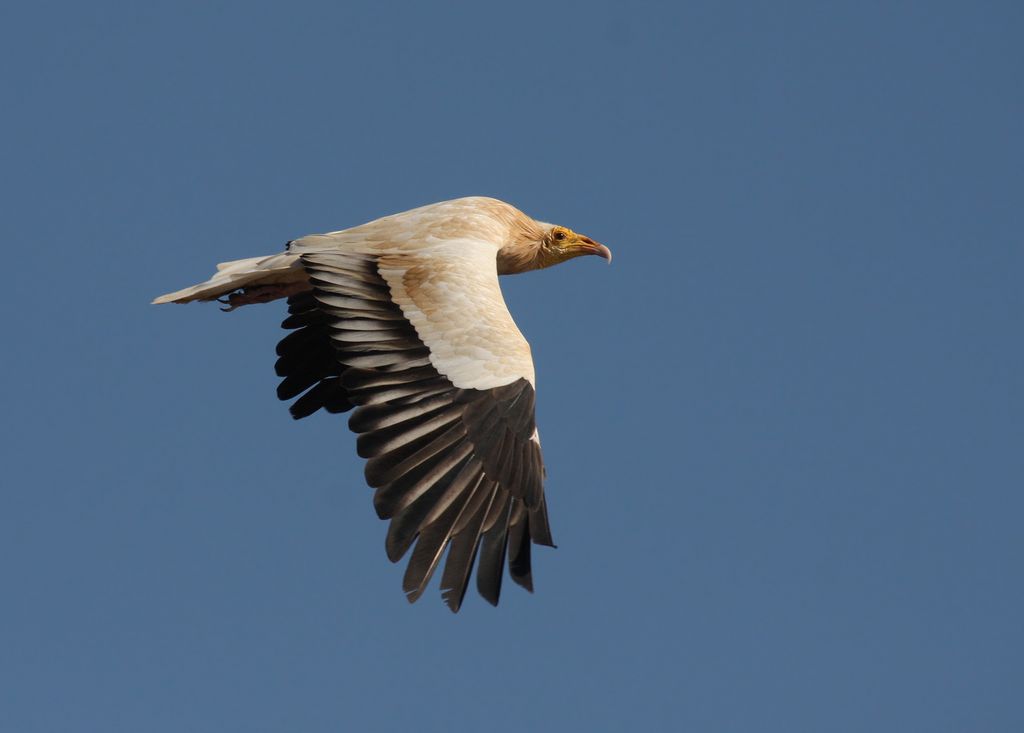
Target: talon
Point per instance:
(231, 301)
(260, 294)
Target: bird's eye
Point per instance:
(559, 235)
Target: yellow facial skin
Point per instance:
(562, 243)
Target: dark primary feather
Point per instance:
(306, 359)
(465, 541)
(519, 566)
(451, 467)
(492, 551)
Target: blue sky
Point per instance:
(783, 430)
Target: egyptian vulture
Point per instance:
(403, 320)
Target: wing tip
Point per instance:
(452, 599)
(524, 581)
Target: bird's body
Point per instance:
(402, 318)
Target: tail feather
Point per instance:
(282, 269)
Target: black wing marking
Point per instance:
(306, 361)
(452, 468)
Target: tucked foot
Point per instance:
(260, 294)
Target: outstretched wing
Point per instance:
(422, 345)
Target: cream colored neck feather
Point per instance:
(521, 253)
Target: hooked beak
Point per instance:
(588, 246)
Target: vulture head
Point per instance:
(534, 245)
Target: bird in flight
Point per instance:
(401, 320)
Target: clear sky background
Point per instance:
(783, 429)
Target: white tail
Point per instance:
(283, 269)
